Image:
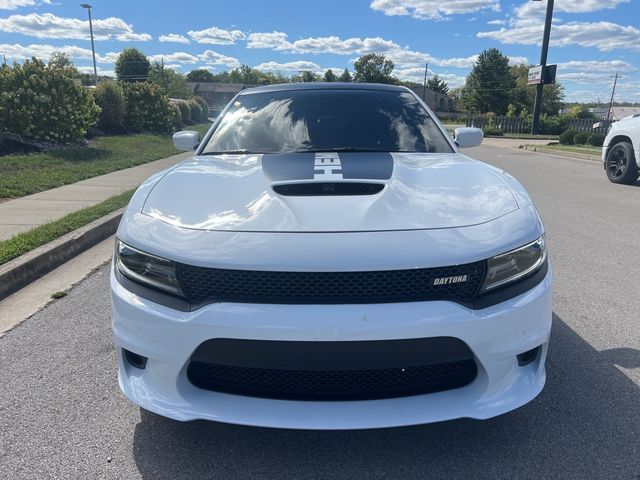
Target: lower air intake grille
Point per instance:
(458, 283)
(332, 385)
(332, 370)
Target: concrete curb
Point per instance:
(27, 268)
(582, 156)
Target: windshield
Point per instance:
(326, 120)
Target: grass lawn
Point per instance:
(585, 149)
(27, 241)
(22, 175)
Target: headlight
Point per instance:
(147, 269)
(514, 265)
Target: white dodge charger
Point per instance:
(328, 259)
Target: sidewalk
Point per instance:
(22, 214)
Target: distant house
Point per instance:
(438, 102)
(617, 113)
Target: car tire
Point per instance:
(620, 165)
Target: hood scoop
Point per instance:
(319, 189)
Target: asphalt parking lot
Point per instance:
(62, 415)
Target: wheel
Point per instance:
(620, 165)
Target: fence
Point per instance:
(520, 125)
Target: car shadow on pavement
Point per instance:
(585, 424)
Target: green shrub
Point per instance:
(491, 130)
(596, 139)
(566, 137)
(196, 111)
(185, 110)
(176, 115)
(553, 125)
(146, 108)
(205, 109)
(580, 138)
(44, 102)
(110, 99)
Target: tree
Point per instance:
(200, 75)
(329, 76)
(437, 84)
(305, 76)
(488, 86)
(374, 68)
(132, 66)
(346, 76)
(171, 83)
(522, 96)
(246, 75)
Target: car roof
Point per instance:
(324, 86)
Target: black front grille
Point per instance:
(461, 284)
(328, 189)
(339, 371)
(332, 385)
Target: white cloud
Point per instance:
(211, 58)
(273, 40)
(18, 52)
(48, 25)
(173, 38)
(538, 9)
(216, 36)
(176, 58)
(295, 66)
(13, 4)
(433, 9)
(103, 72)
(596, 66)
(525, 27)
(601, 35)
(497, 22)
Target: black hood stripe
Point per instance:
(282, 167)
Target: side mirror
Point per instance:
(186, 140)
(468, 137)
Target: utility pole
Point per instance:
(93, 48)
(537, 106)
(424, 84)
(613, 92)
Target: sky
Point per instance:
(591, 40)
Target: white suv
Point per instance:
(621, 151)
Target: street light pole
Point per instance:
(537, 106)
(93, 48)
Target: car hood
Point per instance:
(420, 191)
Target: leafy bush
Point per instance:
(185, 111)
(44, 102)
(566, 137)
(146, 109)
(491, 130)
(580, 138)
(196, 111)
(553, 125)
(176, 115)
(110, 99)
(596, 139)
(205, 109)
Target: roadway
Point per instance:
(62, 415)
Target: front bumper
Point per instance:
(495, 335)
